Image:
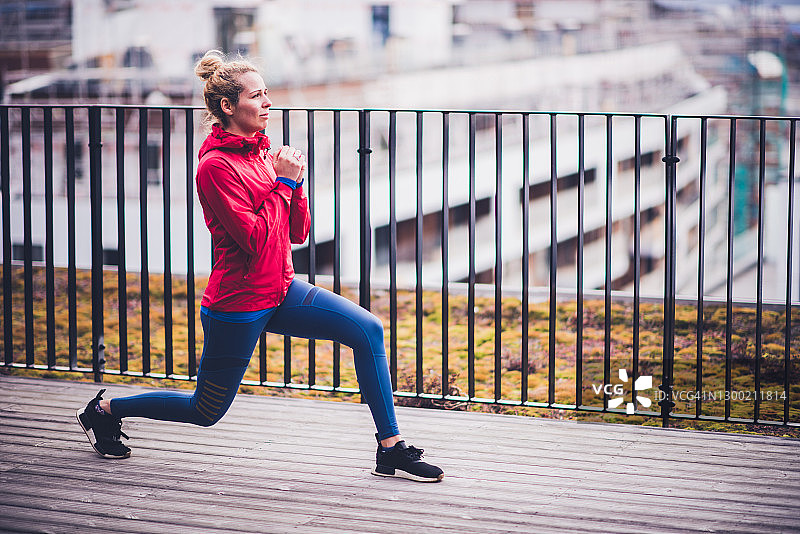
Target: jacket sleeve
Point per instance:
(231, 204)
(299, 216)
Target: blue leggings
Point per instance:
(308, 312)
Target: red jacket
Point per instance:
(253, 220)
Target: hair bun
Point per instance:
(208, 64)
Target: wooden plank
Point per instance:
(504, 459)
(38, 520)
(119, 462)
(241, 487)
(504, 473)
(506, 493)
(781, 457)
(293, 461)
(610, 433)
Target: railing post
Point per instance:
(95, 187)
(5, 182)
(363, 185)
(670, 162)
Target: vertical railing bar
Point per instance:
(49, 260)
(122, 273)
(262, 357)
(471, 275)
(498, 257)
(364, 152)
(729, 279)
(551, 343)
(762, 139)
(145, 268)
(366, 231)
(580, 260)
(609, 226)
(637, 246)
(337, 236)
(190, 290)
(787, 340)
(96, 200)
(287, 359)
(312, 243)
(69, 126)
(701, 266)
(445, 380)
(393, 247)
(418, 257)
(670, 235)
(287, 340)
(526, 217)
(5, 177)
(166, 197)
(27, 244)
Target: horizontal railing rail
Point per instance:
(626, 263)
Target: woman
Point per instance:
(255, 207)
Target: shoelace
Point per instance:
(113, 424)
(119, 431)
(413, 453)
(114, 427)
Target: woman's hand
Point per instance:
(290, 163)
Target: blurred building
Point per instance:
(538, 55)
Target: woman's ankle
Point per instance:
(390, 442)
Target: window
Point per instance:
(153, 164)
(78, 151)
(324, 258)
(18, 252)
(118, 5)
(460, 214)
(542, 189)
(110, 256)
(380, 23)
(648, 160)
(234, 27)
(137, 56)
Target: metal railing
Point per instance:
(618, 241)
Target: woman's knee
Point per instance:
(204, 417)
(202, 420)
(373, 328)
(210, 402)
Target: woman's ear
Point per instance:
(226, 106)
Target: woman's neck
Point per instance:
(236, 131)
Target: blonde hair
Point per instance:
(221, 79)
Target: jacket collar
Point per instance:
(221, 139)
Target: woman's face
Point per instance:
(251, 113)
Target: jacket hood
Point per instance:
(220, 139)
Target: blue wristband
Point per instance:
(291, 183)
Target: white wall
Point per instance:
(290, 35)
(172, 31)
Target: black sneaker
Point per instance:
(103, 430)
(403, 461)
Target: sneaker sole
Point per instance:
(399, 473)
(92, 439)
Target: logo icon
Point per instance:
(642, 383)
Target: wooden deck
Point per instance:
(287, 465)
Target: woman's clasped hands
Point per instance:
(290, 163)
